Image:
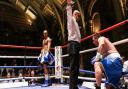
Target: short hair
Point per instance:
(96, 35)
(45, 31)
(76, 11)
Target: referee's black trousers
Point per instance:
(74, 57)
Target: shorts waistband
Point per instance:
(73, 42)
(113, 55)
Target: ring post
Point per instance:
(58, 63)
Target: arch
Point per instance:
(96, 24)
(13, 7)
(92, 3)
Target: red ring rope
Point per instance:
(64, 46)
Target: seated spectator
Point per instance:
(125, 65)
(32, 81)
(4, 71)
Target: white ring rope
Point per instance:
(94, 49)
(84, 51)
(6, 79)
(19, 57)
(84, 78)
(63, 76)
(37, 77)
(19, 78)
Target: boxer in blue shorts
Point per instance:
(107, 60)
(46, 58)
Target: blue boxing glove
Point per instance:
(39, 59)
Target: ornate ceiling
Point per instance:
(51, 15)
(33, 15)
(46, 9)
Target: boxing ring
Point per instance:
(60, 79)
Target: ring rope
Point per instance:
(40, 77)
(85, 78)
(19, 78)
(83, 39)
(103, 31)
(85, 51)
(25, 67)
(19, 57)
(81, 70)
(85, 71)
(94, 49)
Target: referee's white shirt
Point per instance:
(72, 26)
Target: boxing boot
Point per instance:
(97, 87)
(46, 83)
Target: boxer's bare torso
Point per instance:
(106, 47)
